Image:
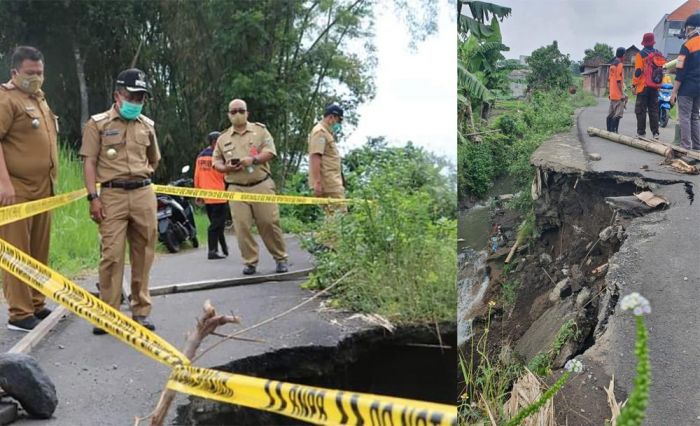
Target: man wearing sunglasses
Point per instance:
(242, 153)
(121, 153)
(325, 175)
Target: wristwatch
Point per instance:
(255, 160)
(93, 196)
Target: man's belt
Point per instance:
(126, 184)
(248, 184)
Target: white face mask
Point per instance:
(693, 33)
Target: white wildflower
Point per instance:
(637, 303)
(574, 366)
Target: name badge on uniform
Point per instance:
(111, 132)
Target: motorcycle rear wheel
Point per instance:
(170, 240)
(663, 118)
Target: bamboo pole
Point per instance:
(648, 145)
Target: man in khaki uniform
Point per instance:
(121, 152)
(242, 153)
(28, 166)
(325, 176)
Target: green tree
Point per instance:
(601, 51)
(550, 69)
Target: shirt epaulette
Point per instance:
(99, 117)
(260, 124)
(147, 120)
(8, 86)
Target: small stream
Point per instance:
(473, 279)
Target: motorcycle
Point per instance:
(176, 217)
(665, 103)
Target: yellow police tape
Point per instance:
(312, 404)
(246, 197)
(16, 212)
(79, 301)
(317, 405)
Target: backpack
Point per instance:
(653, 69)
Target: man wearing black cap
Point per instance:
(325, 176)
(207, 177)
(121, 152)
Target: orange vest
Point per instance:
(206, 176)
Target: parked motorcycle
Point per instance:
(176, 217)
(665, 103)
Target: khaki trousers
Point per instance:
(129, 215)
(31, 235)
(266, 218)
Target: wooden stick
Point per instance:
(512, 251)
(206, 325)
(31, 339)
(649, 145)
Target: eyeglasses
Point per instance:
(236, 111)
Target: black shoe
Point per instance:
(249, 270)
(214, 255)
(656, 136)
(45, 312)
(281, 267)
(144, 322)
(224, 250)
(26, 324)
(97, 331)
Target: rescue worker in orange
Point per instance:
(243, 153)
(28, 168)
(206, 177)
(325, 175)
(618, 99)
(121, 153)
(686, 88)
(647, 98)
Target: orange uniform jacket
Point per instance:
(206, 177)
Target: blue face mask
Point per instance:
(130, 110)
(336, 128)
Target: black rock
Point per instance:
(23, 379)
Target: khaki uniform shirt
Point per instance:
(321, 141)
(125, 149)
(28, 138)
(255, 139)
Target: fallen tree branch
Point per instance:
(206, 325)
(276, 317)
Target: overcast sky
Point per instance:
(416, 96)
(578, 24)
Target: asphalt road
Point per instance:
(661, 260)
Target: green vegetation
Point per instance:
(399, 249)
(487, 382)
(541, 364)
(601, 51)
(75, 242)
(550, 69)
(520, 129)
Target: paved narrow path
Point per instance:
(102, 381)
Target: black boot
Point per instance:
(213, 255)
(222, 242)
(616, 124)
(608, 124)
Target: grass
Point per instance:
(509, 292)
(75, 243)
(541, 364)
